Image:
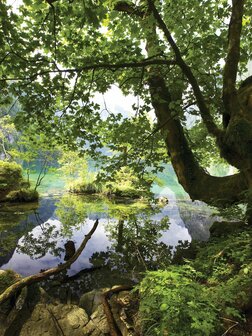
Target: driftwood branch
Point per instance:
(11, 290)
(233, 56)
(204, 110)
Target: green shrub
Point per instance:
(10, 174)
(86, 188)
(198, 298)
(174, 303)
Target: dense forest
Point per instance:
(184, 66)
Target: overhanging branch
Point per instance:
(99, 66)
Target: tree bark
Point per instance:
(194, 179)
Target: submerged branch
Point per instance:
(13, 289)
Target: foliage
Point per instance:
(58, 56)
(173, 302)
(36, 153)
(196, 298)
(127, 184)
(10, 174)
(76, 172)
(8, 134)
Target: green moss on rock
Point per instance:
(7, 278)
(22, 195)
(13, 188)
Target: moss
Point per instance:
(13, 188)
(7, 278)
(22, 195)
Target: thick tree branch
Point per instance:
(99, 66)
(125, 7)
(204, 110)
(194, 179)
(233, 56)
(11, 290)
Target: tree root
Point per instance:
(114, 330)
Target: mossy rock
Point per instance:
(13, 188)
(22, 195)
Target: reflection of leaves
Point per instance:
(135, 245)
(72, 210)
(14, 223)
(37, 246)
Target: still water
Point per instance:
(131, 236)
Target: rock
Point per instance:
(70, 249)
(49, 319)
(98, 325)
(91, 300)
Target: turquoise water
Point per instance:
(131, 236)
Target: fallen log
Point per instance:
(13, 289)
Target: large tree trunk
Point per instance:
(194, 179)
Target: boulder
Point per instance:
(49, 319)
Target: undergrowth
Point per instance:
(203, 297)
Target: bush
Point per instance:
(174, 303)
(10, 175)
(200, 297)
(86, 188)
(126, 184)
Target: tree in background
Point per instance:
(181, 59)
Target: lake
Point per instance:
(131, 236)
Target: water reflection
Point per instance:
(130, 237)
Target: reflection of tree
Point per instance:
(135, 245)
(73, 210)
(37, 246)
(13, 224)
(135, 238)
